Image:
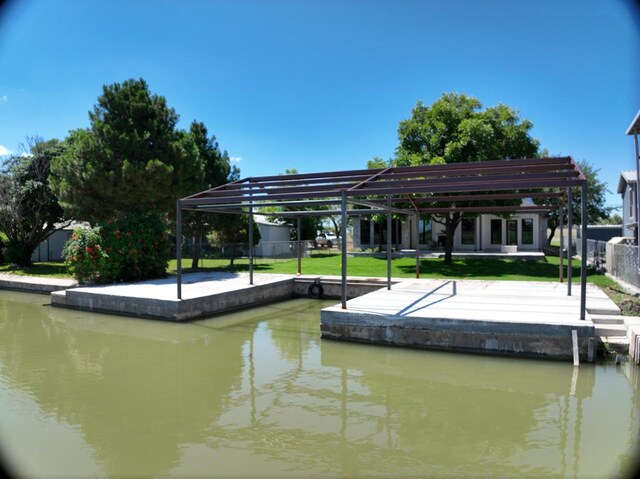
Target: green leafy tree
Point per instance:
(613, 219)
(309, 225)
(131, 158)
(596, 199)
(215, 169)
(456, 129)
(232, 231)
(29, 210)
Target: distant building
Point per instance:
(51, 248)
(602, 232)
(634, 129)
(628, 188)
(275, 238)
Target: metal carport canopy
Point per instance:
(408, 190)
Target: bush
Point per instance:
(137, 246)
(16, 252)
(133, 248)
(84, 256)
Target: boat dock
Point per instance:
(533, 319)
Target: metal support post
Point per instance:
(570, 240)
(561, 221)
(344, 250)
(637, 148)
(417, 239)
(179, 248)
(388, 243)
(250, 244)
(299, 236)
(583, 256)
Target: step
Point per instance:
(607, 318)
(616, 343)
(611, 330)
(605, 308)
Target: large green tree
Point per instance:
(456, 128)
(597, 210)
(131, 158)
(29, 210)
(214, 169)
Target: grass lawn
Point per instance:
(49, 269)
(329, 264)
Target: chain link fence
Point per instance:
(596, 252)
(618, 259)
(624, 263)
(264, 252)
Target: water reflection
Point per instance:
(257, 393)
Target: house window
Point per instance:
(631, 202)
(496, 231)
(365, 231)
(512, 232)
(527, 230)
(468, 231)
(425, 231)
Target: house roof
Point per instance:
(634, 128)
(626, 177)
(412, 189)
(263, 220)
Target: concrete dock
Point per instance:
(497, 317)
(203, 294)
(34, 284)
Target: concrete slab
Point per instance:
(203, 294)
(34, 284)
(498, 317)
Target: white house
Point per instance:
(483, 233)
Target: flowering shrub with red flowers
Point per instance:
(138, 248)
(84, 255)
(132, 248)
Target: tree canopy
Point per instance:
(131, 158)
(29, 210)
(453, 129)
(597, 210)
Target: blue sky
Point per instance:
(322, 85)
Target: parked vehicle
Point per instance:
(325, 240)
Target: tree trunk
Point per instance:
(448, 241)
(551, 235)
(450, 225)
(197, 247)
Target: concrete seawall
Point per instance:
(552, 341)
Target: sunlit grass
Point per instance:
(329, 264)
(49, 269)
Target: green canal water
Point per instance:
(258, 394)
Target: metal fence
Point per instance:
(618, 259)
(596, 252)
(264, 249)
(623, 259)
